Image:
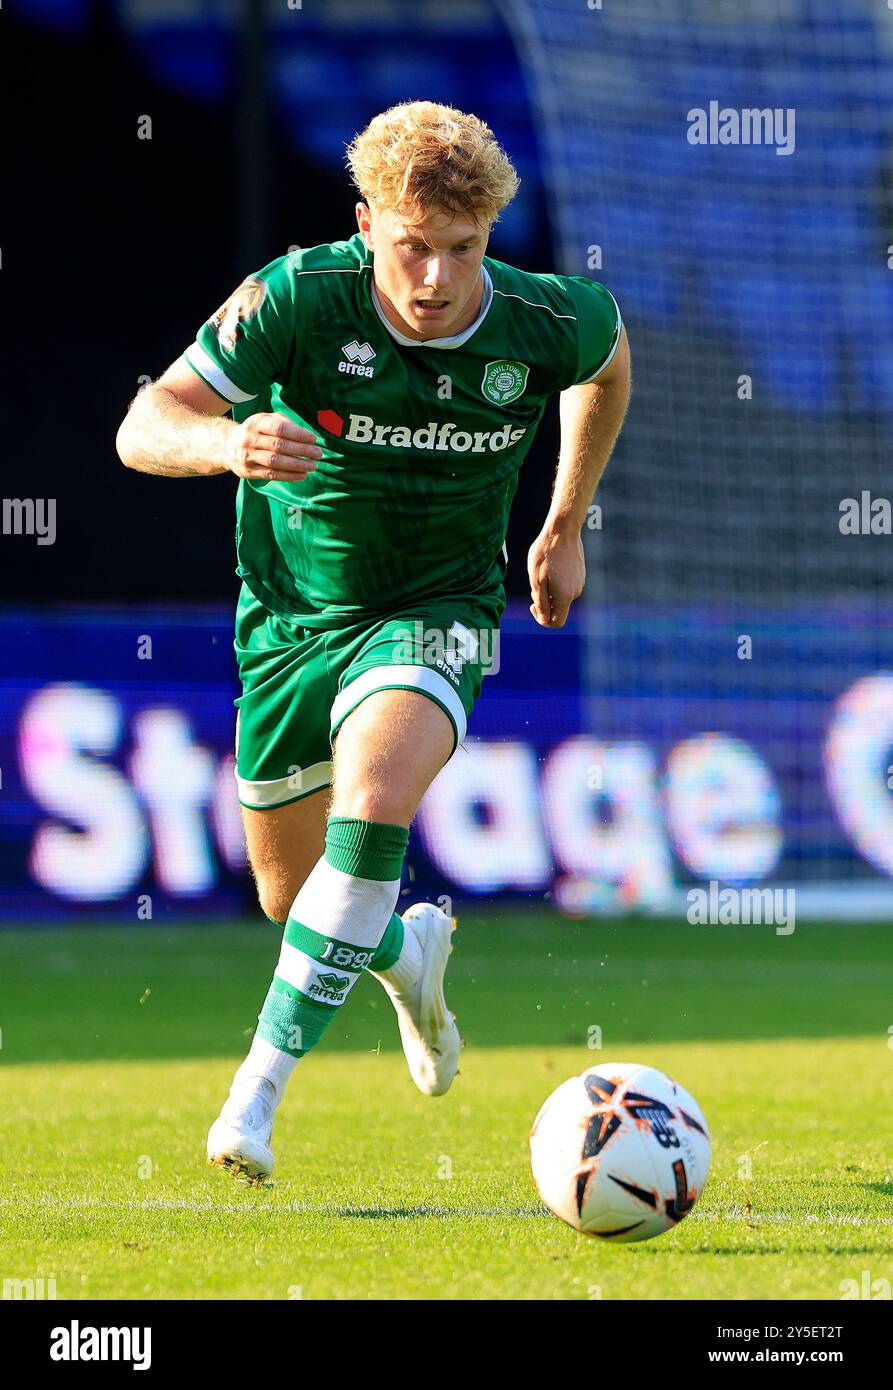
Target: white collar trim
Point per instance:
(457, 339)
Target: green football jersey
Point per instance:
(422, 440)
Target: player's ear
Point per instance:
(364, 222)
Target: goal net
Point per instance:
(727, 170)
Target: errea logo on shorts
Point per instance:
(441, 438)
(358, 355)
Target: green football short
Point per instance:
(299, 684)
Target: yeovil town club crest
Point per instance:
(504, 381)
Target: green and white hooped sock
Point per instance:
(341, 923)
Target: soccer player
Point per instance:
(383, 392)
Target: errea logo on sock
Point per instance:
(330, 987)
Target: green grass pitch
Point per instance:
(118, 1045)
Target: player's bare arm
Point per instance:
(591, 415)
(176, 428)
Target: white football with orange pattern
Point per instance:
(620, 1151)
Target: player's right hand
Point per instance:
(270, 446)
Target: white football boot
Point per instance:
(428, 1030)
(240, 1138)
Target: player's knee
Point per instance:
(375, 780)
(390, 805)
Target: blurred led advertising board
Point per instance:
(602, 769)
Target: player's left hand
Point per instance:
(557, 572)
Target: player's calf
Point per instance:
(284, 845)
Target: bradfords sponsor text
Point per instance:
(443, 438)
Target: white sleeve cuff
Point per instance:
(217, 379)
(610, 357)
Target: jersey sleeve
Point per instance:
(598, 329)
(250, 341)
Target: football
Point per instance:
(620, 1151)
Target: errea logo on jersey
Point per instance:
(357, 354)
(442, 438)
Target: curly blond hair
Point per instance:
(419, 156)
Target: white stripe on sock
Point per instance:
(342, 907)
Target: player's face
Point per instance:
(428, 275)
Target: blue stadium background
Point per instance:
(757, 292)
